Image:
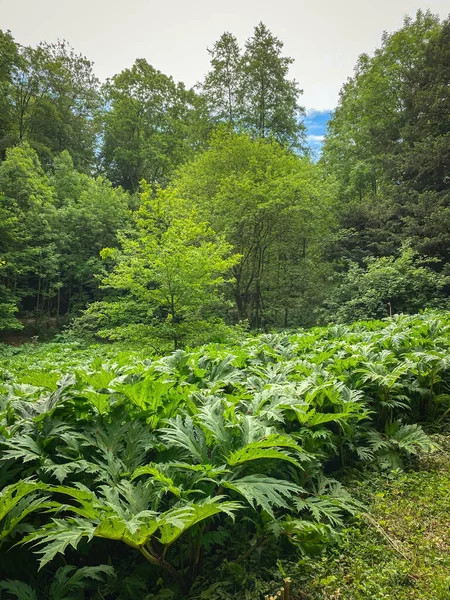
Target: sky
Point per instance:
(325, 37)
(316, 124)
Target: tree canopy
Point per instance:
(250, 90)
(276, 210)
(80, 164)
(387, 144)
(166, 276)
(150, 125)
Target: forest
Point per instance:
(225, 357)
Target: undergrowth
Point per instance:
(217, 472)
(401, 549)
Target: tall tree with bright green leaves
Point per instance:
(166, 279)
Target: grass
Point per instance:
(403, 551)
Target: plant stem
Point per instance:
(161, 562)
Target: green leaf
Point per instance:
(158, 476)
(185, 435)
(134, 532)
(175, 522)
(267, 449)
(264, 491)
(247, 454)
(11, 495)
(19, 589)
(55, 537)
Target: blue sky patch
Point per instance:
(316, 124)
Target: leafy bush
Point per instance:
(387, 286)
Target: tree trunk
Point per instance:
(36, 316)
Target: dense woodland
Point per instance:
(259, 388)
(170, 211)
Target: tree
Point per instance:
(222, 86)
(8, 303)
(68, 120)
(275, 209)
(51, 99)
(378, 142)
(151, 126)
(9, 56)
(423, 162)
(166, 277)
(270, 99)
(27, 239)
(90, 213)
(250, 91)
(52, 229)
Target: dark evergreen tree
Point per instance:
(223, 84)
(270, 100)
(388, 146)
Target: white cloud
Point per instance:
(314, 112)
(316, 138)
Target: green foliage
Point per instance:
(388, 142)
(128, 475)
(69, 583)
(217, 453)
(276, 210)
(270, 100)
(222, 85)
(51, 232)
(167, 274)
(9, 57)
(8, 307)
(250, 90)
(27, 241)
(150, 126)
(90, 213)
(50, 99)
(386, 286)
(399, 551)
